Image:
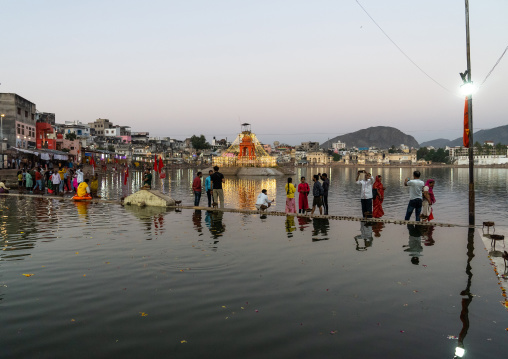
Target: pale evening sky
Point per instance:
(296, 70)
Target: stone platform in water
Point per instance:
(149, 197)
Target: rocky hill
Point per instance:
(497, 134)
(380, 137)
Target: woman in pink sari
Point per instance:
(303, 193)
(377, 204)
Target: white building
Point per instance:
(77, 127)
(338, 145)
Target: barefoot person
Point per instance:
(317, 192)
(290, 196)
(379, 196)
(263, 202)
(366, 193)
(303, 200)
(415, 195)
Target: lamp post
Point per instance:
(468, 89)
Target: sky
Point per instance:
(295, 70)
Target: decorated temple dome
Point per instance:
(245, 151)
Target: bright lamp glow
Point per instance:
(468, 89)
(459, 352)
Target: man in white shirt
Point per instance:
(55, 178)
(366, 193)
(262, 202)
(415, 195)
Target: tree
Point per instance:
(336, 157)
(479, 148)
(422, 152)
(111, 148)
(71, 136)
(199, 143)
(500, 149)
(392, 149)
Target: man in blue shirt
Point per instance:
(208, 187)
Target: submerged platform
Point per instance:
(149, 197)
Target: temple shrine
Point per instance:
(246, 151)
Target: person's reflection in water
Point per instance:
(414, 246)
(217, 226)
(196, 219)
(366, 235)
(290, 226)
(82, 208)
(427, 238)
(377, 228)
(303, 222)
(320, 226)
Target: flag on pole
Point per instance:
(466, 125)
(126, 175)
(155, 164)
(160, 164)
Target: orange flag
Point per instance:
(466, 125)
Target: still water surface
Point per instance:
(451, 191)
(85, 280)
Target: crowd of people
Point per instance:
(55, 180)
(421, 195)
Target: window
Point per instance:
(26, 113)
(19, 129)
(33, 117)
(19, 110)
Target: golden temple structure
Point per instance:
(246, 151)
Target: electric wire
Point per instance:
(486, 77)
(402, 51)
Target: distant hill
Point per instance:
(380, 137)
(439, 143)
(497, 134)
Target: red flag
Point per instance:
(92, 162)
(160, 164)
(466, 125)
(155, 164)
(126, 175)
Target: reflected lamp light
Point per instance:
(459, 352)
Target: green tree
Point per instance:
(421, 153)
(392, 149)
(479, 148)
(71, 136)
(336, 157)
(500, 149)
(199, 143)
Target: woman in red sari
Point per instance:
(303, 191)
(378, 199)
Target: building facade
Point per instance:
(18, 123)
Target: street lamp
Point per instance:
(469, 88)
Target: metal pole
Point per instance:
(470, 122)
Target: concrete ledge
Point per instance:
(149, 197)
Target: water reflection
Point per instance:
(303, 222)
(290, 226)
(217, 226)
(196, 220)
(320, 227)
(465, 302)
(414, 247)
(365, 236)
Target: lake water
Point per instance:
(97, 280)
(451, 191)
